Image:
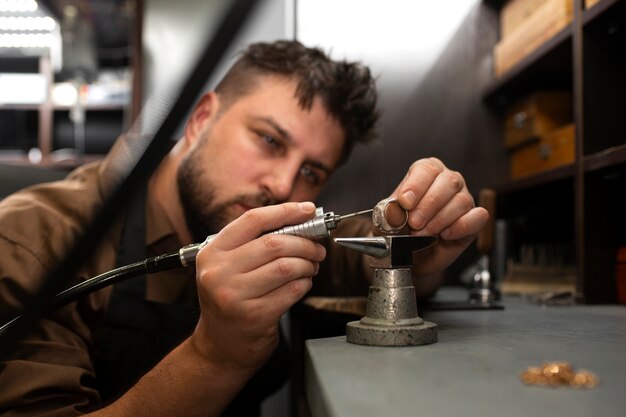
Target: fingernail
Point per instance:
(306, 206)
(321, 250)
(317, 268)
(417, 221)
(409, 198)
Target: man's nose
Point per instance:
(280, 181)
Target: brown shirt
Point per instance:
(48, 372)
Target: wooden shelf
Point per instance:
(604, 159)
(597, 10)
(576, 201)
(536, 180)
(93, 107)
(69, 162)
(34, 107)
(609, 157)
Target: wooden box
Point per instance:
(590, 3)
(555, 149)
(542, 24)
(535, 116)
(514, 12)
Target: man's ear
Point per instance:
(204, 111)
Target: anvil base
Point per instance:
(414, 335)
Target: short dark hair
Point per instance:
(347, 89)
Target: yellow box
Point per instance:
(536, 115)
(554, 150)
(514, 12)
(541, 25)
(589, 3)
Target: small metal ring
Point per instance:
(380, 220)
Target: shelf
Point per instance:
(597, 10)
(67, 163)
(537, 180)
(604, 159)
(579, 202)
(13, 157)
(547, 67)
(20, 107)
(93, 107)
(71, 162)
(607, 158)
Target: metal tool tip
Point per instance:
(373, 246)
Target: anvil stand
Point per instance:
(391, 317)
(482, 292)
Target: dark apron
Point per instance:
(137, 333)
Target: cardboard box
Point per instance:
(542, 24)
(554, 150)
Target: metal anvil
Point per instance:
(391, 317)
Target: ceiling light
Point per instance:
(27, 23)
(18, 5)
(26, 40)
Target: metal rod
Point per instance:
(358, 213)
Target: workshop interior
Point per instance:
(526, 98)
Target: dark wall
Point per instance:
(444, 117)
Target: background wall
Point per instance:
(176, 33)
(432, 60)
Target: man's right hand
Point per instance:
(247, 279)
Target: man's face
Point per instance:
(263, 149)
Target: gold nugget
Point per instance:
(558, 374)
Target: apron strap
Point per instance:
(133, 245)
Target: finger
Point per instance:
(442, 190)
(268, 248)
(275, 274)
(467, 225)
(419, 179)
(458, 205)
(278, 301)
(261, 220)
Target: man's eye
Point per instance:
(271, 141)
(309, 175)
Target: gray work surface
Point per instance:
(474, 369)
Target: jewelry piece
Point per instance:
(554, 374)
(389, 216)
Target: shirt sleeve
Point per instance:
(49, 371)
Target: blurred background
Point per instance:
(526, 98)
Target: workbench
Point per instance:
(474, 368)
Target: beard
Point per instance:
(203, 216)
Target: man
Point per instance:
(254, 153)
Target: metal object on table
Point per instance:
(391, 317)
(482, 290)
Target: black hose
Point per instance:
(65, 297)
(139, 172)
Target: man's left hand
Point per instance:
(439, 204)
